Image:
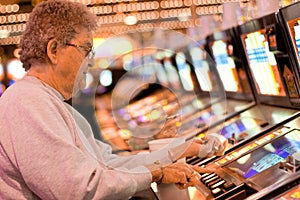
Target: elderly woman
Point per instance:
(47, 149)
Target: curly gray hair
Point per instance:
(52, 19)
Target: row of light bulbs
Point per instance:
(175, 3)
(146, 27)
(154, 5)
(14, 27)
(144, 6)
(164, 2)
(10, 40)
(164, 14)
(108, 9)
(151, 15)
(212, 2)
(177, 24)
(11, 8)
(117, 29)
(17, 18)
(206, 10)
(169, 9)
(150, 26)
(143, 16)
(109, 19)
(124, 8)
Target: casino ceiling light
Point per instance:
(118, 15)
(130, 20)
(4, 33)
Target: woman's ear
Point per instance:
(52, 51)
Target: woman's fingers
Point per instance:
(203, 169)
(184, 175)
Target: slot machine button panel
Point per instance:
(216, 184)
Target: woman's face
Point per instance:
(73, 63)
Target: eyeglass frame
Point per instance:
(90, 53)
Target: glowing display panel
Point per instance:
(267, 156)
(226, 66)
(184, 72)
(238, 128)
(263, 64)
(201, 68)
(2, 87)
(294, 30)
(172, 73)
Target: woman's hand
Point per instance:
(215, 144)
(212, 144)
(182, 174)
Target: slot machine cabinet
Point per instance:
(230, 65)
(267, 54)
(186, 75)
(194, 109)
(264, 64)
(210, 89)
(289, 21)
(148, 100)
(223, 59)
(186, 117)
(260, 169)
(256, 165)
(286, 189)
(166, 59)
(220, 103)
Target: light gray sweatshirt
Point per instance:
(47, 151)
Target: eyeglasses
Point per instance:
(89, 51)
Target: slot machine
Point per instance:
(289, 20)
(288, 188)
(149, 97)
(186, 118)
(200, 89)
(202, 61)
(223, 83)
(172, 75)
(261, 157)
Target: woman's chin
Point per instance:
(79, 85)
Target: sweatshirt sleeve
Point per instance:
(37, 136)
(130, 161)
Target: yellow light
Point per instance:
(130, 20)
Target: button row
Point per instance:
(216, 184)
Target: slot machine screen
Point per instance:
(184, 71)
(262, 63)
(233, 128)
(202, 71)
(222, 53)
(267, 155)
(15, 71)
(170, 69)
(238, 128)
(161, 74)
(292, 20)
(294, 28)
